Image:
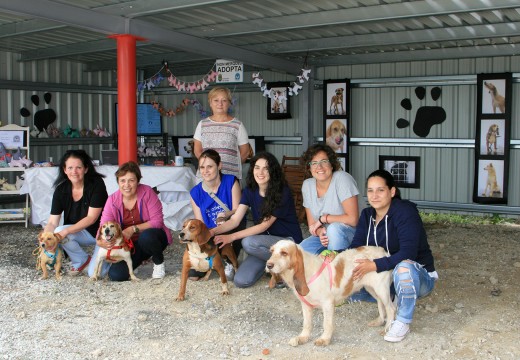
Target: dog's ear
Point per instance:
(40, 236)
(300, 283)
(204, 235)
(274, 279)
(119, 232)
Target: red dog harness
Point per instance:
(128, 242)
(326, 264)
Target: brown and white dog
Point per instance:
(203, 255)
(50, 253)
(491, 138)
(325, 284)
(109, 231)
(335, 136)
(497, 100)
(336, 101)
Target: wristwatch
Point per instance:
(136, 229)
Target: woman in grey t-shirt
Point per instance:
(330, 201)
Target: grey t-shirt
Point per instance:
(342, 187)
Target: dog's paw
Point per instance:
(376, 322)
(179, 298)
(298, 340)
(93, 278)
(224, 292)
(134, 278)
(322, 342)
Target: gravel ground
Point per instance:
(473, 312)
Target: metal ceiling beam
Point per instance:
(27, 27)
(365, 14)
(110, 24)
(392, 38)
(420, 55)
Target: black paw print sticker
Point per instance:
(426, 116)
(42, 118)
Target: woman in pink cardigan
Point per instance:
(139, 211)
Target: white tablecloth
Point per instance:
(174, 184)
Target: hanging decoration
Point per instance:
(292, 90)
(173, 81)
(180, 108)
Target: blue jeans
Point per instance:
(340, 237)
(257, 248)
(410, 285)
(74, 246)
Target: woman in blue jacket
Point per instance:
(395, 225)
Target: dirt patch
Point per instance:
(472, 313)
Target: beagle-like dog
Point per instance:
(50, 253)
(110, 231)
(325, 284)
(203, 255)
(337, 101)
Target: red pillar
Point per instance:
(126, 97)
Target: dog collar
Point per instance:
(53, 256)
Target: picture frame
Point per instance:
(494, 94)
(336, 98)
(336, 135)
(406, 170)
(343, 162)
(279, 101)
(257, 143)
(492, 137)
(491, 182)
(182, 146)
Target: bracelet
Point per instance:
(327, 218)
(321, 222)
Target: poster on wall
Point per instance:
(278, 103)
(229, 71)
(492, 138)
(336, 115)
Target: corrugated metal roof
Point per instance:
(265, 34)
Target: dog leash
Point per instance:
(325, 264)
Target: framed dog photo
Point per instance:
(406, 170)
(183, 146)
(493, 96)
(492, 135)
(336, 98)
(278, 102)
(490, 181)
(336, 134)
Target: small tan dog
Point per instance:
(337, 101)
(325, 284)
(50, 253)
(335, 136)
(491, 138)
(491, 182)
(497, 100)
(203, 255)
(109, 231)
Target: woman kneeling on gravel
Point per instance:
(137, 208)
(395, 225)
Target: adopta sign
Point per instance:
(229, 71)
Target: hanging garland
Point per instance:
(180, 108)
(173, 81)
(292, 90)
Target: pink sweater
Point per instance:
(148, 203)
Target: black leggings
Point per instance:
(150, 244)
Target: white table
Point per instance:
(173, 183)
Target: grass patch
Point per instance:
(436, 218)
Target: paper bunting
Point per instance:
(173, 81)
(291, 90)
(180, 108)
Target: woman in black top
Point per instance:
(80, 195)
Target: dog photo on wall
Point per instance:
(404, 169)
(336, 97)
(492, 137)
(490, 178)
(494, 96)
(278, 102)
(336, 134)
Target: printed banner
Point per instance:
(229, 71)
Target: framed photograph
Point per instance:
(493, 96)
(278, 104)
(183, 146)
(336, 135)
(343, 162)
(492, 135)
(491, 180)
(336, 98)
(257, 143)
(406, 170)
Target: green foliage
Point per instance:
(439, 218)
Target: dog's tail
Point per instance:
(36, 252)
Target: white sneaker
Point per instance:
(229, 270)
(397, 331)
(158, 271)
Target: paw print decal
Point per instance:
(42, 118)
(426, 116)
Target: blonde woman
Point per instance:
(223, 133)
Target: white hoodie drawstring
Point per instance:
(375, 234)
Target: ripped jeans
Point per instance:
(410, 283)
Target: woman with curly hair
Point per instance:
(272, 206)
(330, 201)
